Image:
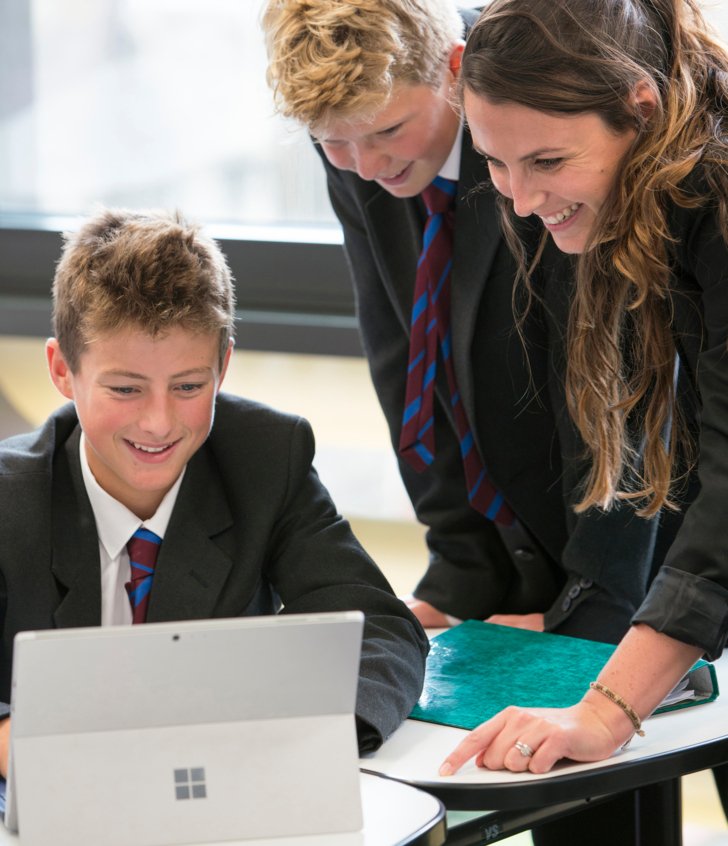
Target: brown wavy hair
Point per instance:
(576, 56)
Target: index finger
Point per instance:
(477, 741)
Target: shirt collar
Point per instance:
(451, 168)
(115, 524)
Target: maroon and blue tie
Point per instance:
(143, 548)
(430, 330)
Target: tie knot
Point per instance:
(439, 195)
(143, 547)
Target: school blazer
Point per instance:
(253, 531)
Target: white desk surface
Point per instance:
(415, 751)
(394, 813)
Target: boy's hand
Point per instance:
(4, 746)
(427, 614)
(534, 622)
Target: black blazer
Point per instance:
(688, 599)
(513, 394)
(253, 530)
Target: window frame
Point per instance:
(293, 293)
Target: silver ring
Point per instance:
(524, 749)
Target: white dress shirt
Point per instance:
(115, 524)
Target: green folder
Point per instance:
(476, 669)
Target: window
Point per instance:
(127, 102)
(148, 104)
(164, 104)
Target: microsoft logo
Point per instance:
(190, 783)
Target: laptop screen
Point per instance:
(209, 730)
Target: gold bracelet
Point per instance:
(617, 699)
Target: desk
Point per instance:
(675, 744)
(395, 814)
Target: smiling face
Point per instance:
(559, 167)
(406, 143)
(145, 405)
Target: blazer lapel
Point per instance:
(192, 569)
(395, 228)
(75, 557)
(477, 239)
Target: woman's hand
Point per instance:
(644, 668)
(587, 731)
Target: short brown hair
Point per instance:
(151, 270)
(340, 58)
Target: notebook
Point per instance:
(476, 669)
(173, 733)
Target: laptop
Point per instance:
(192, 732)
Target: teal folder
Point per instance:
(476, 669)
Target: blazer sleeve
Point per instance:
(4, 706)
(688, 599)
(316, 564)
(470, 571)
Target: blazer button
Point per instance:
(566, 604)
(523, 553)
(585, 583)
(574, 591)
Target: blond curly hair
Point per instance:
(340, 58)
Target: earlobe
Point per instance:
(58, 369)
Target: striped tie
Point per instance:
(430, 328)
(143, 548)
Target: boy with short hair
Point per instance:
(374, 83)
(143, 321)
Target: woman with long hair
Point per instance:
(606, 120)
